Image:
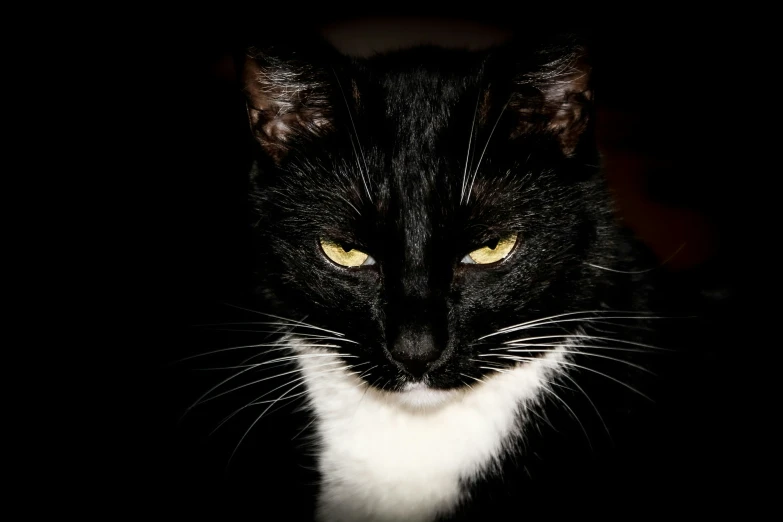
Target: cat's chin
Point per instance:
(421, 396)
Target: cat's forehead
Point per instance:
(416, 118)
(425, 84)
(429, 133)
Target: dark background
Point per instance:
(667, 124)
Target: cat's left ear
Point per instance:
(553, 92)
(288, 93)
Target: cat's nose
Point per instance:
(414, 351)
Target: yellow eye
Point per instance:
(337, 253)
(486, 255)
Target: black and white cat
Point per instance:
(453, 304)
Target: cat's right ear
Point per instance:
(288, 96)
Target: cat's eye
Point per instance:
(492, 252)
(343, 256)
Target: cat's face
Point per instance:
(414, 204)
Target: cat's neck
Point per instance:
(407, 456)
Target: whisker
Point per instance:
(588, 354)
(566, 314)
(265, 352)
(303, 429)
(556, 396)
(533, 324)
(580, 345)
(591, 322)
(467, 156)
(545, 419)
(349, 204)
(573, 381)
(227, 379)
(492, 132)
(588, 337)
(361, 399)
(256, 421)
(365, 372)
(267, 323)
(462, 382)
(474, 378)
(318, 373)
(298, 334)
(634, 272)
(267, 379)
(358, 164)
(499, 370)
(218, 385)
(486, 362)
(358, 142)
(276, 362)
(294, 321)
(532, 359)
(256, 401)
(276, 346)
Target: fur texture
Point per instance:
(436, 387)
(387, 456)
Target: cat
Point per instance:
(450, 305)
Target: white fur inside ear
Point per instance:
(390, 456)
(284, 99)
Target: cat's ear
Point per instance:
(552, 92)
(289, 96)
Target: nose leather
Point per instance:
(415, 349)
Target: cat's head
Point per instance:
(420, 201)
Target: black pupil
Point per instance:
(493, 243)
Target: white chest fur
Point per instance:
(401, 456)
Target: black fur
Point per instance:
(413, 121)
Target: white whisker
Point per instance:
(588, 337)
(293, 321)
(361, 399)
(366, 179)
(227, 379)
(634, 272)
(467, 156)
(257, 402)
(272, 377)
(303, 429)
(492, 132)
(256, 421)
(533, 324)
(608, 348)
(531, 359)
(641, 315)
(270, 323)
(565, 374)
(304, 335)
(365, 372)
(474, 378)
(556, 396)
(275, 347)
(499, 370)
(576, 352)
